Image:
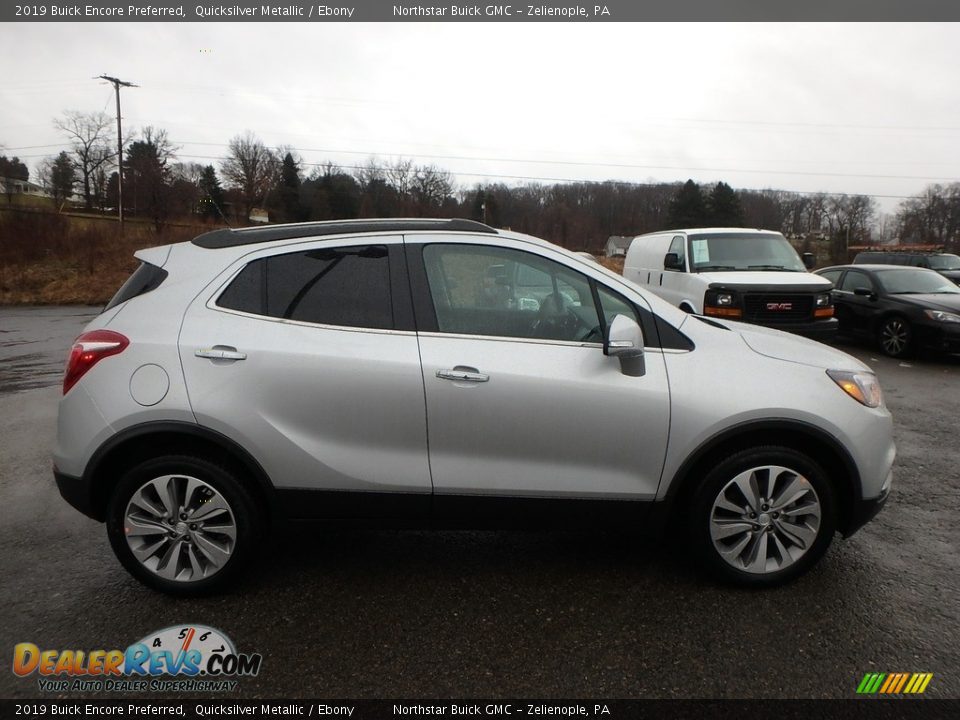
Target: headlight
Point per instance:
(861, 386)
(724, 299)
(942, 316)
(823, 299)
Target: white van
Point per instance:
(753, 276)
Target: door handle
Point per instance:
(221, 352)
(463, 374)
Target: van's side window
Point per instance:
(678, 247)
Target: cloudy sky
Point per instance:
(857, 108)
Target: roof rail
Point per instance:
(227, 237)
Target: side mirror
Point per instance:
(672, 261)
(809, 260)
(624, 341)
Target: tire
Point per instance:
(895, 337)
(739, 541)
(177, 556)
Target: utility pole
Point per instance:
(116, 86)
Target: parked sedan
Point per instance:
(902, 308)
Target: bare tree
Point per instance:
(400, 175)
(430, 187)
(250, 168)
(370, 174)
(89, 135)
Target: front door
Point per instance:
(521, 400)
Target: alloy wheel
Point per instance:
(180, 528)
(765, 519)
(894, 337)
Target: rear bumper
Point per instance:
(78, 493)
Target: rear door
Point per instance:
(306, 355)
(522, 403)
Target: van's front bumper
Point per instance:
(821, 330)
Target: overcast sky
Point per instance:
(857, 108)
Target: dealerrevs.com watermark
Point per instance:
(185, 658)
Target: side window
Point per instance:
(854, 279)
(678, 247)
(347, 286)
(613, 304)
(832, 275)
(483, 290)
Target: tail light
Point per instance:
(89, 349)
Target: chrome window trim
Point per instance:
(301, 323)
(508, 338)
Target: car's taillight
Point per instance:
(89, 349)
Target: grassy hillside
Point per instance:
(49, 259)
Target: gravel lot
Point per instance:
(367, 614)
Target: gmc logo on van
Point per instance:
(779, 306)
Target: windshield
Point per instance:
(746, 251)
(915, 280)
(945, 262)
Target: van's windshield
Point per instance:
(743, 251)
(945, 262)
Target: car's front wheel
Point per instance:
(763, 516)
(896, 337)
(182, 525)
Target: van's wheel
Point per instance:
(763, 516)
(896, 337)
(182, 525)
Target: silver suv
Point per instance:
(444, 373)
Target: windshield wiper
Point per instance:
(701, 268)
(771, 267)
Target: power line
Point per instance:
(616, 166)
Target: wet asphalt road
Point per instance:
(368, 614)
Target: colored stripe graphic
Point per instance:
(894, 683)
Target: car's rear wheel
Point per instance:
(896, 337)
(763, 516)
(182, 525)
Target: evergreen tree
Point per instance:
(724, 207)
(212, 202)
(13, 168)
(286, 198)
(688, 209)
(63, 178)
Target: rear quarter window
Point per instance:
(347, 287)
(145, 278)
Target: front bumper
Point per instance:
(78, 493)
(942, 336)
(821, 330)
(864, 511)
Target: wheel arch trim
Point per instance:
(171, 429)
(772, 431)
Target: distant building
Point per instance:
(16, 186)
(259, 215)
(617, 245)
